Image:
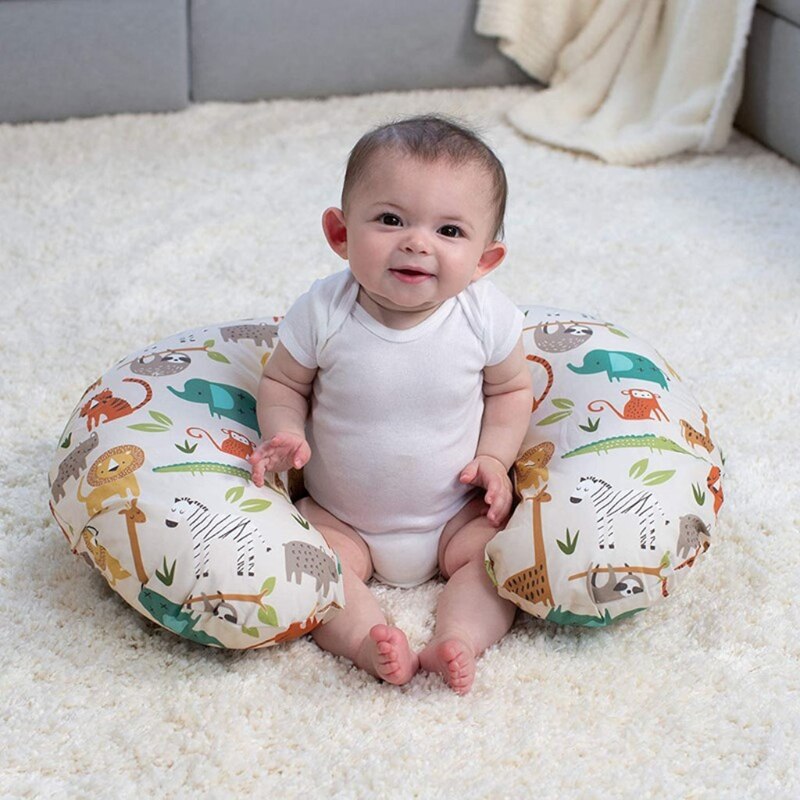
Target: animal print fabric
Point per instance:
(619, 480)
(150, 485)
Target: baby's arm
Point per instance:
(507, 411)
(282, 408)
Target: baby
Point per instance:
(401, 386)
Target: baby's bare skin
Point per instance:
(385, 653)
(416, 232)
(453, 659)
(361, 633)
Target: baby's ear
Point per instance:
(492, 257)
(335, 230)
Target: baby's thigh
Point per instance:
(464, 537)
(348, 545)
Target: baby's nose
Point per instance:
(416, 242)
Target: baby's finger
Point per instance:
(303, 455)
(468, 473)
(258, 453)
(494, 489)
(258, 474)
(499, 507)
(500, 513)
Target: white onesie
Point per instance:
(396, 414)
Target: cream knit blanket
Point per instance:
(630, 81)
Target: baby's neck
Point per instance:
(397, 319)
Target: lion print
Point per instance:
(112, 474)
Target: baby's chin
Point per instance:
(397, 305)
(393, 314)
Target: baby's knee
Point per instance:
(467, 545)
(343, 540)
(353, 554)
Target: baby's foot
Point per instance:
(386, 654)
(453, 659)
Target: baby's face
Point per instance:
(418, 233)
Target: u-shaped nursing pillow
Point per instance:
(619, 479)
(619, 485)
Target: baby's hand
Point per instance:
(488, 472)
(281, 452)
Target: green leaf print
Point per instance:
(267, 615)
(617, 332)
(163, 419)
(563, 402)
(169, 573)
(660, 476)
(553, 418)
(254, 506)
(186, 447)
(149, 427)
(638, 469)
(234, 495)
(568, 548)
(699, 494)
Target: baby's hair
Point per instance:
(429, 138)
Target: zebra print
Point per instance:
(610, 504)
(207, 527)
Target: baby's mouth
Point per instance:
(410, 274)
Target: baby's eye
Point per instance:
(451, 231)
(390, 219)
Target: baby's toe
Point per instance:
(460, 665)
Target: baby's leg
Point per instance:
(470, 615)
(359, 632)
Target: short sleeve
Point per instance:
(497, 321)
(316, 315)
(298, 332)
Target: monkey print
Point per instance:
(642, 404)
(234, 444)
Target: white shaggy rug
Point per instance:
(115, 232)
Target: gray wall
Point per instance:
(770, 108)
(74, 58)
(65, 58)
(279, 48)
